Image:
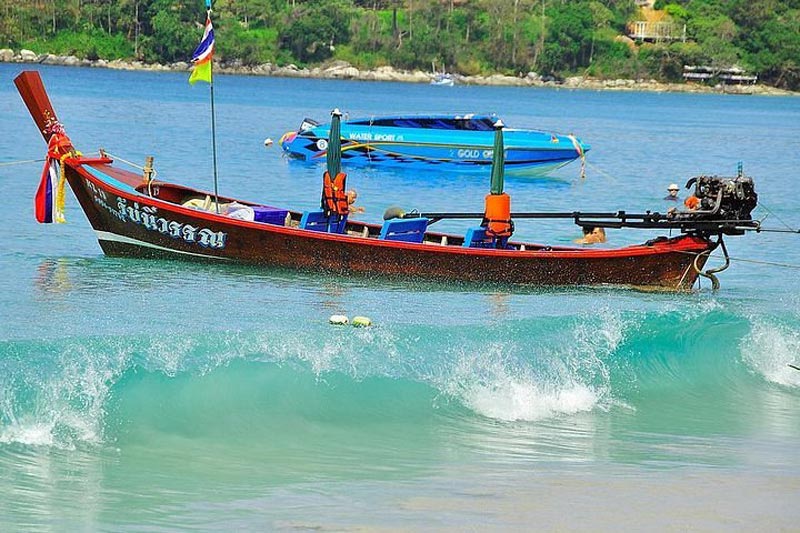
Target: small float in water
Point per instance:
(461, 143)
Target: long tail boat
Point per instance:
(135, 215)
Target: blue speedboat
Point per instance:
(443, 142)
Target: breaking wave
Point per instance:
(101, 389)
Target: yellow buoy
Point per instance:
(361, 321)
(338, 320)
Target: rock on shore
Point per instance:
(344, 70)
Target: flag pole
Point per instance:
(214, 142)
(213, 125)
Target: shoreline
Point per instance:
(342, 70)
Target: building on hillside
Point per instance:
(726, 76)
(656, 32)
(654, 25)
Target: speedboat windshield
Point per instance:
(457, 122)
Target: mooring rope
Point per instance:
(579, 149)
(601, 171)
(743, 260)
(770, 263)
(106, 153)
(22, 162)
(708, 273)
(769, 211)
(118, 158)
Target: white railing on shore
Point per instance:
(731, 75)
(642, 30)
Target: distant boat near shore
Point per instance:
(460, 143)
(443, 80)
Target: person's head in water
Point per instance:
(592, 235)
(673, 191)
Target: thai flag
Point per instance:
(44, 202)
(201, 58)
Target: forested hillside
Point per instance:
(551, 37)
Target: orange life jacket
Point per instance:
(692, 202)
(497, 217)
(334, 199)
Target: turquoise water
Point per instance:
(149, 395)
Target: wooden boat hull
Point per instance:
(130, 223)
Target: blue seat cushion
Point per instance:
(476, 238)
(317, 221)
(404, 229)
(269, 215)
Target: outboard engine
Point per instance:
(724, 198)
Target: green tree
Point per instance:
(569, 35)
(470, 36)
(506, 41)
(314, 28)
(173, 29)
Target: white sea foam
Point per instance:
(511, 398)
(698, 306)
(356, 352)
(169, 353)
(301, 347)
(503, 380)
(62, 402)
(28, 433)
(510, 381)
(769, 349)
